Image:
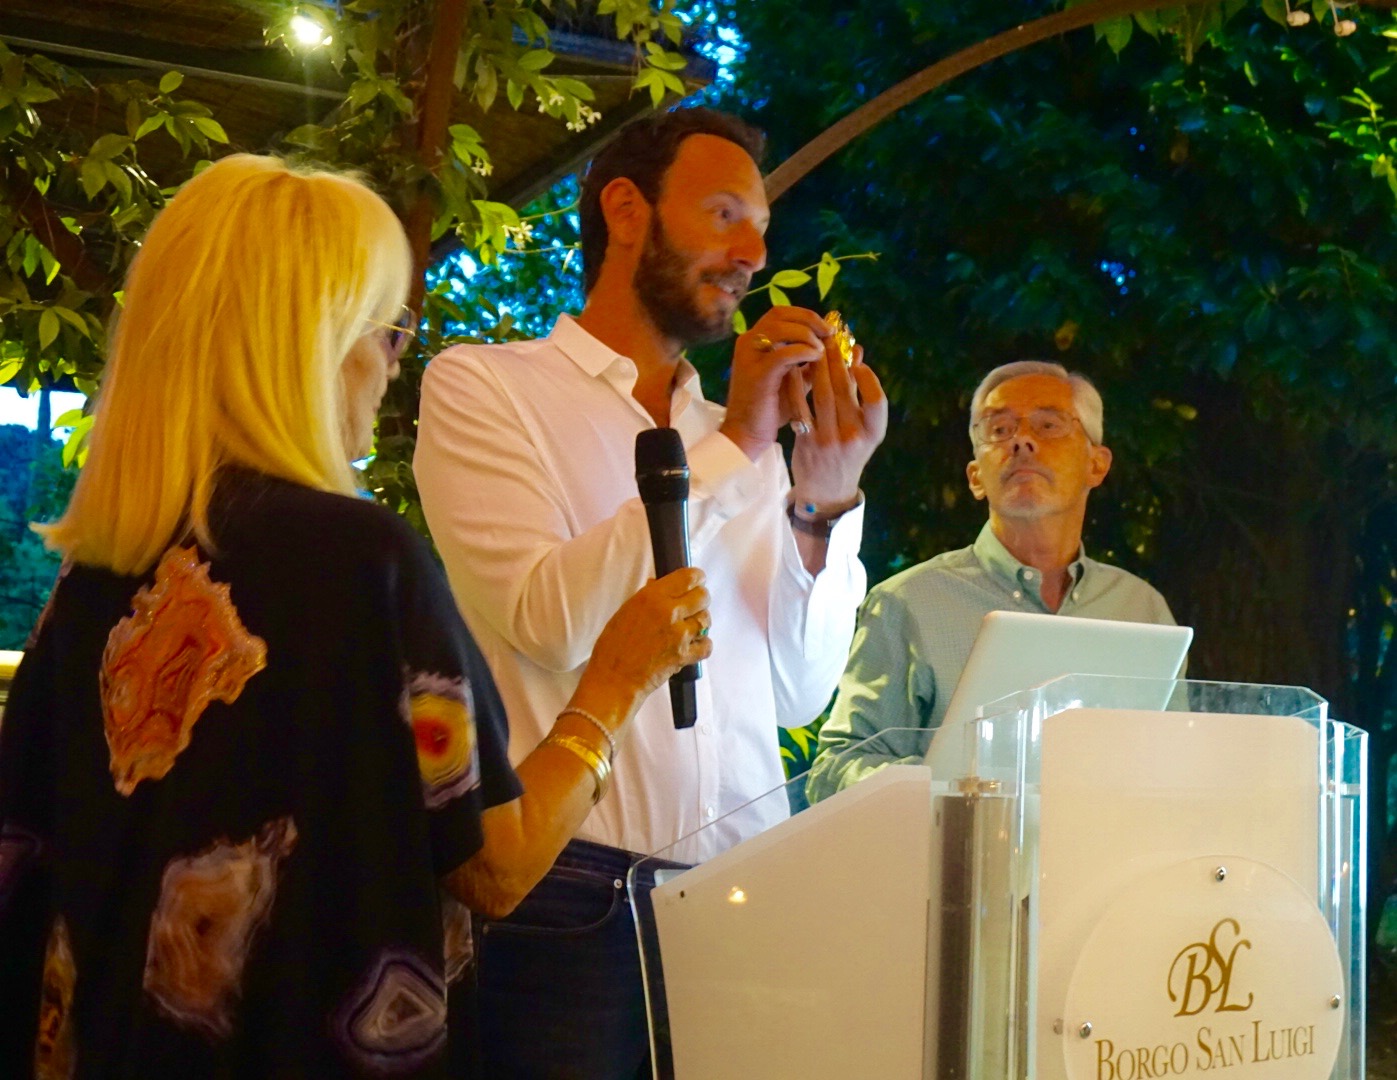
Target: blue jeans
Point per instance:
(561, 996)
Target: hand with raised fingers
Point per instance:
(764, 359)
(845, 419)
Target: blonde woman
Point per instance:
(252, 771)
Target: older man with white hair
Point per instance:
(1037, 433)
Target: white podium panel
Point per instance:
(840, 892)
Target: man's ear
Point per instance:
(626, 211)
(1099, 465)
(972, 473)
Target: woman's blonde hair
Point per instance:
(249, 290)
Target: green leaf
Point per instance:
(9, 369)
(1148, 21)
(311, 136)
(119, 178)
(362, 92)
(535, 60)
(211, 128)
(108, 146)
(68, 418)
(75, 449)
(94, 177)
(668, 61)
(790, 279)
(50, 265)
(1117, 32)
(73, 319)
(170, 82)
(515, 93)
(827, 272)
(149, 124)
(739, 322)
(778, 298)
(487, 84)
(48, 328)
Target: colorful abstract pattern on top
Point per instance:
(18, 848)
(394, 1020)
(181, 647)
(440, 712)
(54, 1053)
(211, 905)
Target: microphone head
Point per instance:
(661, 468)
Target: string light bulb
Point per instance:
(308, 31)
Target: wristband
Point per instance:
(820, 528)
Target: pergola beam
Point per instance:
(271, 68)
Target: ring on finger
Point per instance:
(800, 427)
(762, 343)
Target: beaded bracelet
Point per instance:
(605, 731)
(601, 768)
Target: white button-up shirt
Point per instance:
(526, 467)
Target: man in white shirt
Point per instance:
(525, 463)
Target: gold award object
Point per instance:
(843, 338)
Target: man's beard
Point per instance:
(662, 287)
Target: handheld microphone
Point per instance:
(662, 475)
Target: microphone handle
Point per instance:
(669, 540)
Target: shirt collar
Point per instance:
(595, 357)
(1000, 563)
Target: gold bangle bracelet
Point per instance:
(601, 768)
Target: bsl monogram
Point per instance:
(1201, 972)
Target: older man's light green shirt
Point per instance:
(914, 636)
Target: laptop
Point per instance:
(1017, 650)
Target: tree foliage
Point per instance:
(1196, 213)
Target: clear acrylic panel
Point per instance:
(898, 929)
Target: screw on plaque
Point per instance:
(1220, 874)
(1085, 1030)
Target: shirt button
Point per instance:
(1076, 595)
(705, 729)
(709, 812)
(1028, 574)
(1018, 595)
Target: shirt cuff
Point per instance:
(720, 471)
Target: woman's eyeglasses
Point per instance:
(401, 332)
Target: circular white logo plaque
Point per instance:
(1205, 965)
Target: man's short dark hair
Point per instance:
(643, 153)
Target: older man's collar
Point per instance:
(1001, 564)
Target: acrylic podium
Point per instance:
(1100, 879)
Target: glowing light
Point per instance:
(308, 32)
(737, 896)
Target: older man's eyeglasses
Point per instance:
(400, 332)
(1046, 424)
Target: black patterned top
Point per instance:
(228, 793)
